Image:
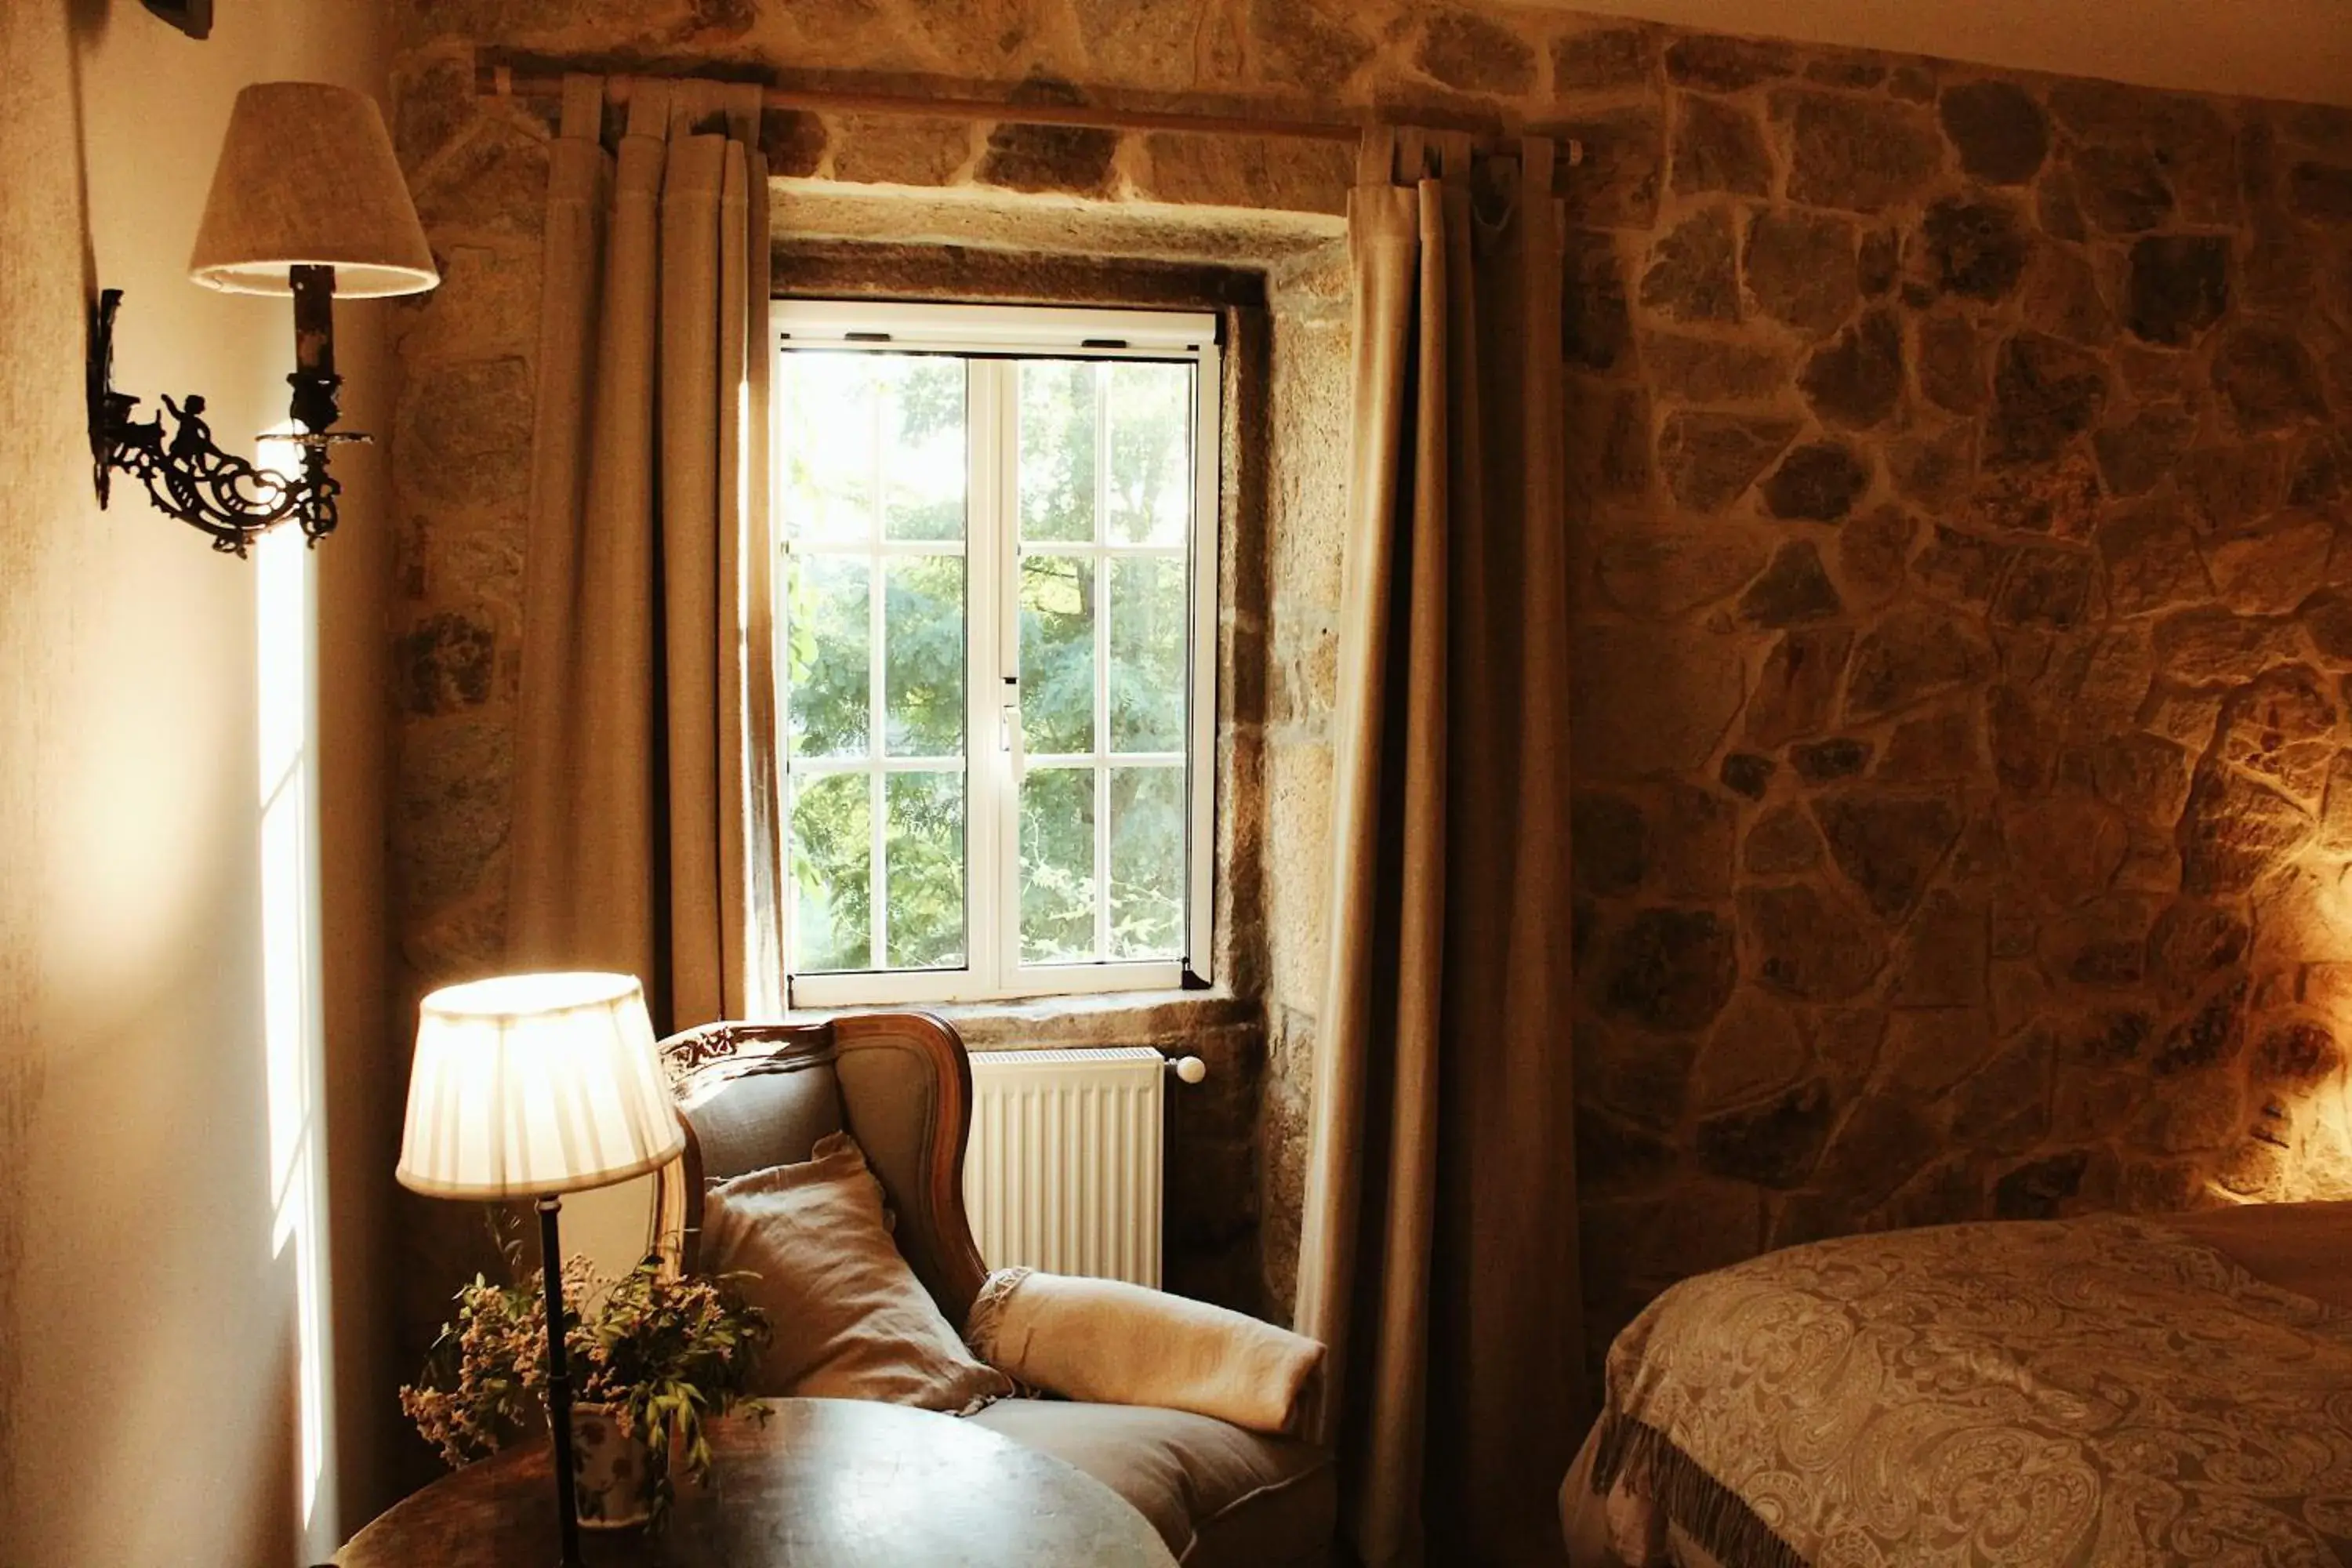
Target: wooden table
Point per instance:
(825, 1482)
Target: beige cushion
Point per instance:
(851, 1321)
(1110, 1342)
(1220, 1497)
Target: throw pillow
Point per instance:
(851, 1319)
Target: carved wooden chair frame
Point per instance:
(700, 1061)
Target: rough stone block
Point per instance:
(1311, 44)
(1943, 959)
(1775, 1144)
(1728, 64)
(1855, 154)
(1782, 842)
(1873, 554)
(1709, 461)
(1799, 684)
(2234, 830)
(1818, 482)
(1663, 573)
(1616, 185)
(1719, 147)
(1793, 591)
(2272, 567)
(1914, 653)
(1999, 132)
(1603, 58)
(1681, 368)
(2046, 392)
(2267, 379)
(1808, 945)
(1801, 269)
(462, 433)
(1609, 843)
(1889, 845)
(1693, 274)
(892, 149)
(1976, 249)
(1652, 699)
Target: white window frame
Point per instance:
(992, 338)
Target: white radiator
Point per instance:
(1063, 1171)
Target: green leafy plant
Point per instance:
(666, 1353)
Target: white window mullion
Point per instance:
(878, 899)
(1202, 651)
(1004, 380)
(877, 710)
(1100, 559)
(983, 727)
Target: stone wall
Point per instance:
(1960, 815)
(1959, 457)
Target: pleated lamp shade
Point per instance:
(534, 1085)
(307, 177)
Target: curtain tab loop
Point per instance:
(1538, 159)
(1412, 155)
(583, 107)
(1376, 155)
(742, 105)
(650, 99)
(1455, 150)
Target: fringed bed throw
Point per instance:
(2099, 1391)
(1636, 1457)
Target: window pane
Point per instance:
(1150, 453)
(1147, 862)
(1057, 449)
(923, 655)
(829, 674)
(925, 853)
(1147, 656)
(828, 445)
(1057, 654)
(922, 446)
(1057, 865)
(833, 863)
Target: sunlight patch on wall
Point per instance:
(285, 602)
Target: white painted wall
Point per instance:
(156, 1208)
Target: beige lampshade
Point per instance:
(535, 1084)
(307, 177)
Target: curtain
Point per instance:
(1439, 1258)
(644, 834)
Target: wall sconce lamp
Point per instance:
(307, 200)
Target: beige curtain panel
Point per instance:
(645, 832)
(1440, 1256)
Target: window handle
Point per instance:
(1008, 729)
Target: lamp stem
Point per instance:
(314, 379)
(559, 1380)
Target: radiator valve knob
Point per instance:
(1192, 1069)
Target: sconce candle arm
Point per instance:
(188, 475)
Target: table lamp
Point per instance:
(534, 1086)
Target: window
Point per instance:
(998, 611)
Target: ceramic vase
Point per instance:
(612, 1473)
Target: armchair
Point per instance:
(755, 1095)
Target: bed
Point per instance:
(2106, 1390)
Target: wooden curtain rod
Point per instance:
(505, 81)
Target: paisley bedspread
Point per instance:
(2099, 1391)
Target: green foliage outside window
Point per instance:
(881, 437)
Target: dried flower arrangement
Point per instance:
(664, 1353)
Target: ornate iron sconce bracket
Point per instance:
(185, 474)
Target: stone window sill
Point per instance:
(1168, 1019)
